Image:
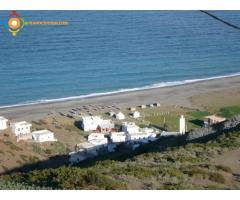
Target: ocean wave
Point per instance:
(152, 86)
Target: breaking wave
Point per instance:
(152, 86)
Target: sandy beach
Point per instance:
(173, 95)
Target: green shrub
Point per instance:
(230, 111)
(37, 149)
(12, 146)
(198, 114)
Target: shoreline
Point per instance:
(168, 95)
(120, 91)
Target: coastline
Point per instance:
(178, 94)
(93, 95)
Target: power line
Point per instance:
(221, 20)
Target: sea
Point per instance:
(106, 52)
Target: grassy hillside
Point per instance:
(155, 166)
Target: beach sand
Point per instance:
(187, 95)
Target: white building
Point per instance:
(135, 114)
(137, 136)
(157, 104)
(84, 151)
(166, 134)
(97, 139)
(143, 106)
(3, 123)
(21, 128)
(91, 123)
(130, 127)
(118, 137)
(111, 113)
(135, 133)
(43, 136)
(105, 126)
(143, 135)
(120, 116)
(151, 105)
(182, 125)
(132, 109)
(213, 119)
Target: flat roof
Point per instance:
(42, 132)
(215, 117)
(86, 145)
(118, 133)
(138, 133)
(21, 123)
(3, 118)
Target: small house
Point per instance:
(43, 136)
(21, 128)
(97, 139)
(111, 113)
(91, 123)
(84, 151)
(151, 105)
(135, 114)
(213, 119)
(120, 116)
(105, 126)
(132, 108)
(143, 106)
(157, 104)
(130, 127)
(118, 137)
(3, 123)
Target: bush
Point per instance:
(224, 168)
(66, 178)
(216, 177)
(24, 157)
(12, 146)
(196, 171)
(37, 149)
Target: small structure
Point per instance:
(151, 105)
(91, 123)
(130, 127)
(3, 123)
(144, 135)
(111, 113)
(21, 128)
(83, 151)
(97, 139)
(120, 116)
(213, 119)
(143, 106)
(182, 125)
(157, 104)
(136, 136)
(166, 134)
(105, 126)
(132, 108)
(43, 136)
(135, 114)
(118, 137)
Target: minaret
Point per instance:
(182, 125)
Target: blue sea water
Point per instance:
(110, 51)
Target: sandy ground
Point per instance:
(176, 95)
